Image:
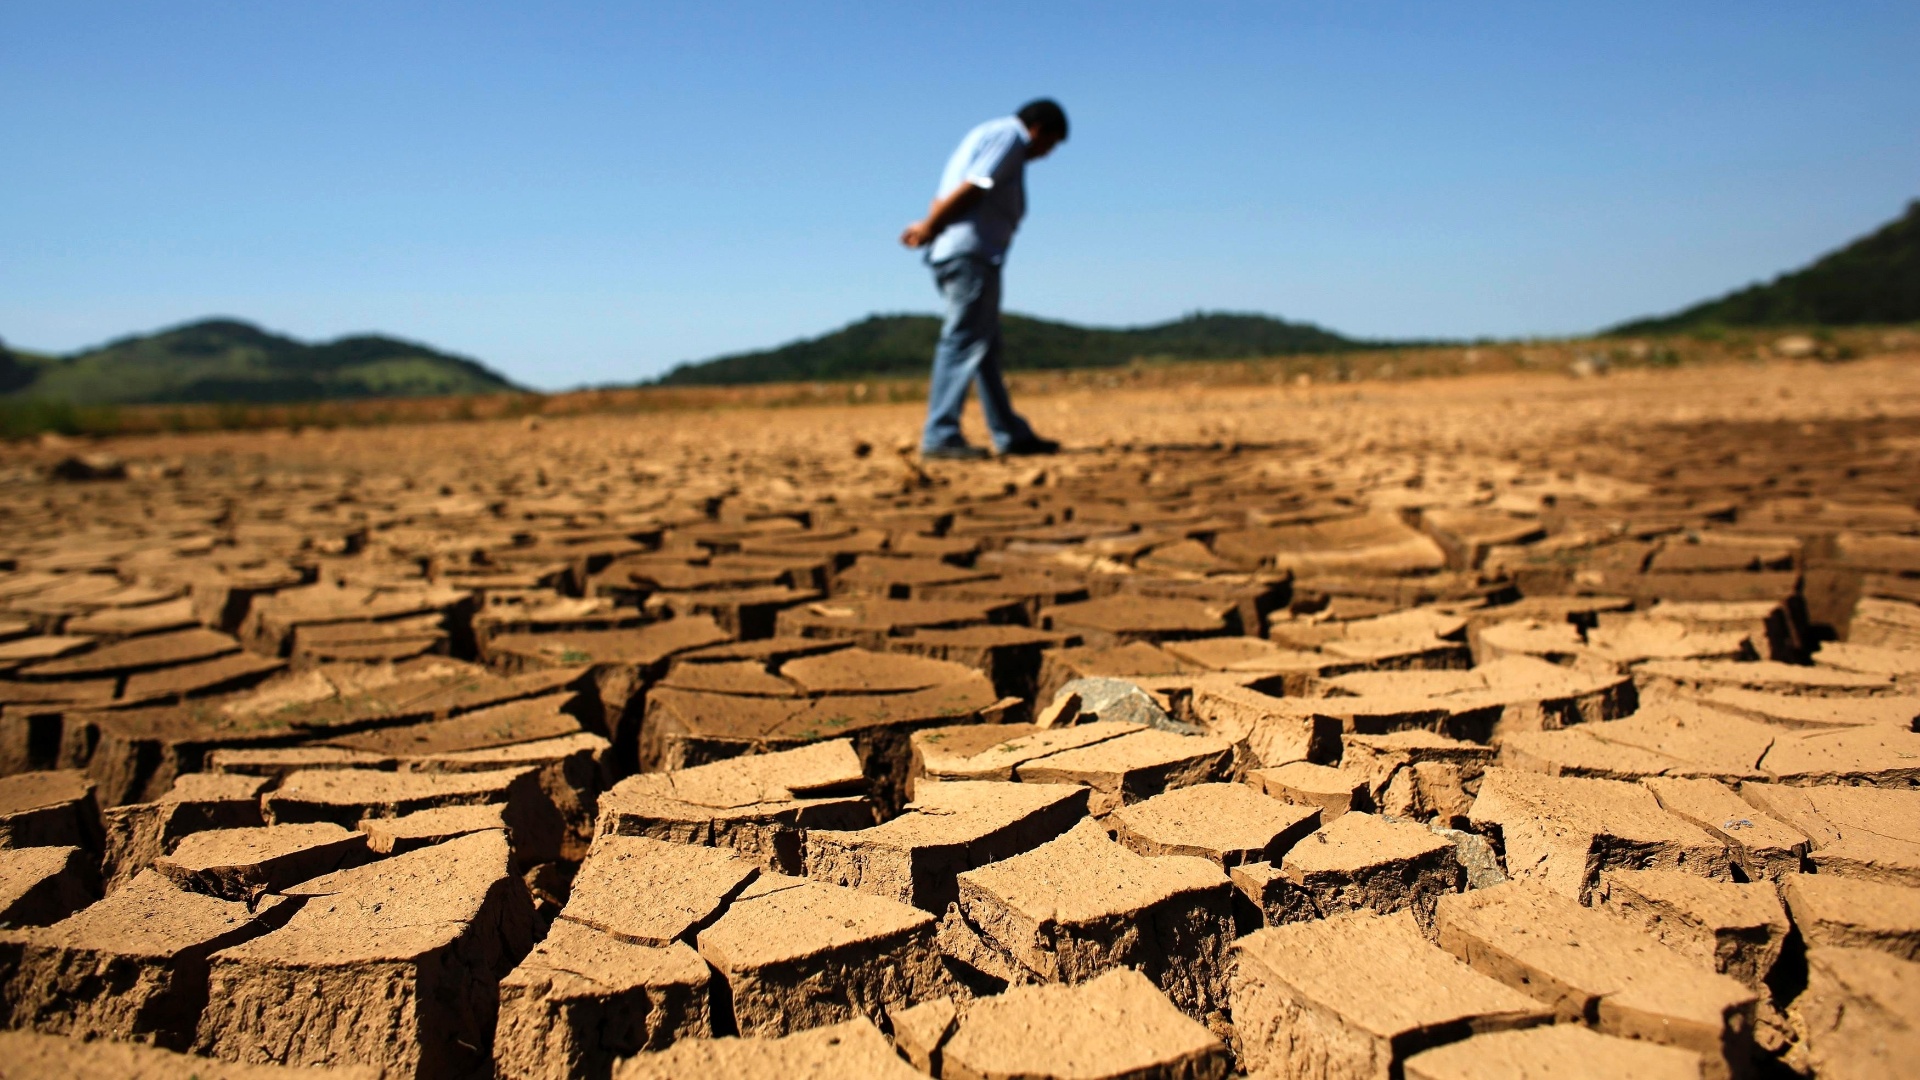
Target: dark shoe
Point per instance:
(1031, 448)
(953, 453)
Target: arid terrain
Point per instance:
(1505, 725)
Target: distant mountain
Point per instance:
(883, 345)
(17, 369)
(1875, 279)
(223, 360)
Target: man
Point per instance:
(966, 233)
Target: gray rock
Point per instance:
(1474, 853)
(1118, 700)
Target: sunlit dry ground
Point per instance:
(813, 453)
(1295, 724)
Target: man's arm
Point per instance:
(941, 214)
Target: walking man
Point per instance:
(966, 234)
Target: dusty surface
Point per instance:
(1505, 721)
(1228, 823)
(796, 953)
(395, 964)
(1859, 1015)
(25, 1054)
(1594, 965)
(1349, 995)
(650, 892)
(950, 827)
(1082, 904)
(133, 966)
(1359, 861)
(1115, 1025)
(583, 999)
(853, 1048)
(1737, 930)
(1562, 1050)
(239, 864)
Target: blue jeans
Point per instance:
(969, 352)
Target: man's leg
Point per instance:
(971, 327)
(1007, 426)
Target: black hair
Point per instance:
(1045, 114)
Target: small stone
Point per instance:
(1119, 701)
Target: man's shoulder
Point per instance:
(998, 127)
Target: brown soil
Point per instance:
(1508, 722)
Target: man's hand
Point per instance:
(918, 235)
(941, 214)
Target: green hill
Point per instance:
(18, 369)
(223, 360)
(1875, 279)
(883, 345)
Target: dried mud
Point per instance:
(1502, 725)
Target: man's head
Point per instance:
(1046, 126)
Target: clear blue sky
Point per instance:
(582, 193)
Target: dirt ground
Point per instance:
(1545, 413)
(1512, 724)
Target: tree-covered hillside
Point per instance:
(883, 345)
(1875, 279)
(224, 360)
